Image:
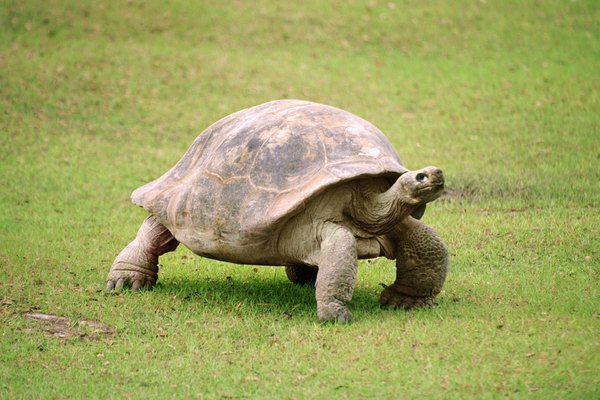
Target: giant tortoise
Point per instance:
(296, 184)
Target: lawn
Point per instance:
(98, 98)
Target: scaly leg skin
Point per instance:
(301, 274)
(422, 262)
(336, 277)
(137, 264)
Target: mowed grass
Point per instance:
(97, 99)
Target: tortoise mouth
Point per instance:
(430, 189)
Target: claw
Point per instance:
(344, 318)
(110, 285)
(136, 284)
(334, 312)
(392, 297)
(120, 284)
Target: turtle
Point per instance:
(298, 184)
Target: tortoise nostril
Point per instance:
(421, 177)
(439, 175)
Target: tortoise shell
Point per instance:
(247, 172)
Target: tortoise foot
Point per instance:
(128, 275)
(334, 312)
(393, 296)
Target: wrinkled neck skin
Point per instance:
(378, 212)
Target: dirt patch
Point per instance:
(470, 191)
(65, 328)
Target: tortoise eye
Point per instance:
(422, 178)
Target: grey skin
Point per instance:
(317, 227)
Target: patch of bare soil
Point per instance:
(65, 328)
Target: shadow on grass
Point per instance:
(260, 296)
(272, 298)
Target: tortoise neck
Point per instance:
(379, 213)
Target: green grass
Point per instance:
(97, 98)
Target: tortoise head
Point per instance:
(420, 186)
(380, 213)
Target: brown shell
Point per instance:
(252, 168)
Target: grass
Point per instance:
(99, 98)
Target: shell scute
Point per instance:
(286, 159)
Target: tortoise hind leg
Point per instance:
(422, 262)
(137, 264)
(302, 274)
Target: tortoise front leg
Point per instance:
(336, 278)
(137, 264)
(422, 262)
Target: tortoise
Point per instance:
(297, 184)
